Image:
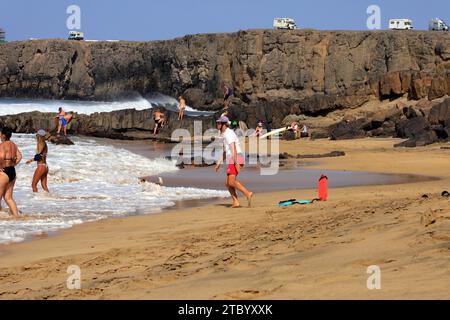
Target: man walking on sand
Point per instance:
(235, 161)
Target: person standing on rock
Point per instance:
(158, 117)
(10, 156)
(64, 120)
(181, 107)
(227, 92)
(62, 123)
(41, 158)
(304, 132)
(233, 155)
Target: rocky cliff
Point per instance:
(273, 72)
(319, 70)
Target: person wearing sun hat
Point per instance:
(41, 172)
(234, 156)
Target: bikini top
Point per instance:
(39, 156)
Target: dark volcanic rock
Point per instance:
(285, 155)
(59, 139)
(320, 70)
(273, 73)
(121, 124)
(441, 131)
(411, 112)
(411, 128)
(425, 138)
(321, 155)
(289, 135)
(440, 114)
(349, 130)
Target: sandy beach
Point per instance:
(316, 251)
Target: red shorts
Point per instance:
(231, 168)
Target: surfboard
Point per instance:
(291, 202)
(271, 133)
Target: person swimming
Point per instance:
(41, 172)
(10, 156)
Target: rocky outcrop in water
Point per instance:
(121, 124)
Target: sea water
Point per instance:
(10, 106)
(88, 181)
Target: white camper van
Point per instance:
(437, 24)
(400, 24)
(284, 23)
(2, 36)
(76, 35)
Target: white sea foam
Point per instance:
(15, 106)
(88, 181)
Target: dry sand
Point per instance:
(316, 251)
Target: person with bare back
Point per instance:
(41, 172)
(181, 107)
(10, 156)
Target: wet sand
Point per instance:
(320, 250)
(292, 173)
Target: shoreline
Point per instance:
(199, 203)
(138, 147)
(222, 253)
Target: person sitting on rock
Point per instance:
(259, 128)
(158, 116)
(295, 128)
(304, 132)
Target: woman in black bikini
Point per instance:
(10, 156)
(41, 158)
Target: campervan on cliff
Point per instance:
(76, 35)
(437, 24)
(284, 23)
(400, 24)
(2, 36)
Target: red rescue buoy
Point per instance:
(323, 186)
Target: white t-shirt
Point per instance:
(228, 138)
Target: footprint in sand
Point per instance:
(246, 294)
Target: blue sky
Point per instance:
(166, 19)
